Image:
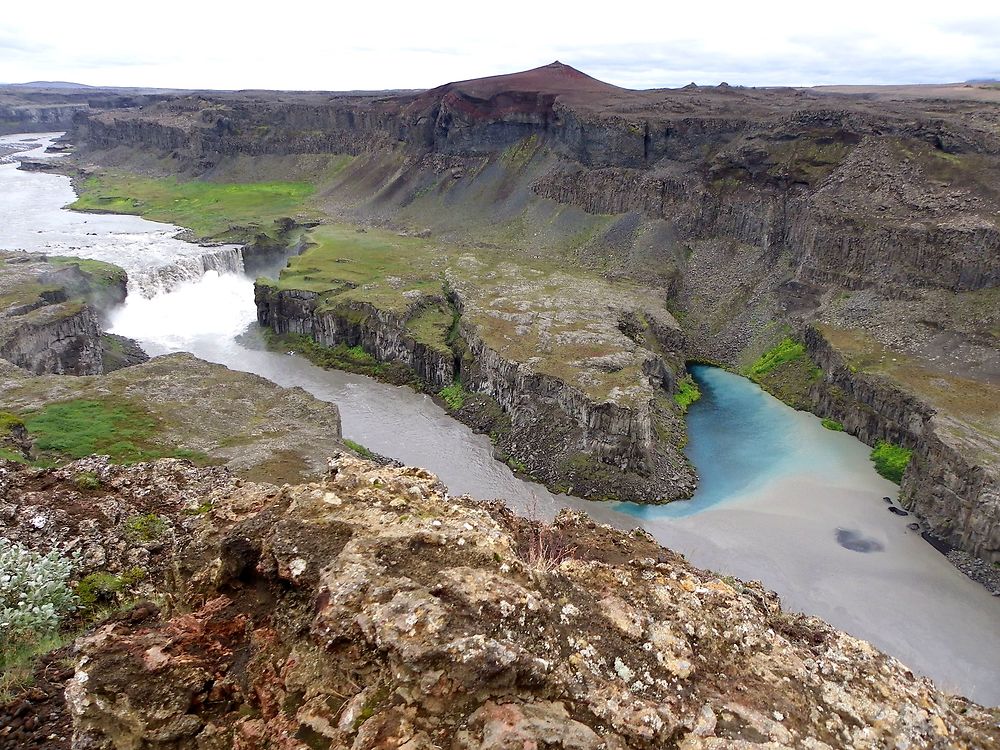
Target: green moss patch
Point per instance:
(341, 357)
(786, 372)
(454, 396)
(146, 527)
(209, 209)
(890, 460)
(9, 422)
(101, 591)
(833, 424)
(114, 427)
(101, 274)
(788, 350)
(360, 449)
(687, 393)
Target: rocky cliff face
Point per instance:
(50, 313)
(27, 109)
(372, 610)
(561, 435)
(624, 445)
(38, 118)
(947, 483)
(786, 170)
(64, 338)
(381, 333)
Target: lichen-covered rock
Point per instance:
(373, 610)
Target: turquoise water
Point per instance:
(785, 501)
(740, 438)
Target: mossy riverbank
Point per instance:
(210, 210)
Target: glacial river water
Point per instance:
(781, 499)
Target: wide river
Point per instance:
(781, 499)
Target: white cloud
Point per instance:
(410, 45)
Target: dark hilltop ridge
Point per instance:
(544, 253)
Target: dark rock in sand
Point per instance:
(856, 542)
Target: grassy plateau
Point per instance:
(208, 209)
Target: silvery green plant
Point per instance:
(34, 592)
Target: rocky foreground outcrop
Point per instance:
(373, 610)
(254, 427)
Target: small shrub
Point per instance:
(833, 424)
(454, 395)
(87, 480)
(34, 595)
(788, 350)
(146, 528)
(546, 548)
(687, 393)
(890, 460)
(360, 449)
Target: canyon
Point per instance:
(749, 213)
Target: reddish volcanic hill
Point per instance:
(528, 95)
(554, 78)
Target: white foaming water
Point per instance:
(210, 307)
(150, 282)
(30, 219)
(781, 528)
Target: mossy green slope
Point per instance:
(786, 372)
(175, 406)
(208, 209)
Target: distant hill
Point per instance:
(50, 85)
(983, 80)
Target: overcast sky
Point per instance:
(380, 44)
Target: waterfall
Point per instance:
(153, 281)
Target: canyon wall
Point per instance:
(800, 194)
(947, 483)
(38, 118)
(554, 431)
(50, 314)
(380, 333)
(62, 339)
